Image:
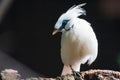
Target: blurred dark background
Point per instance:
(27, 25)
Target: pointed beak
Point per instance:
(55, 31)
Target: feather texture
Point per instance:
(75, 11)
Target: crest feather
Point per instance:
(75, 11)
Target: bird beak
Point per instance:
(55, 31)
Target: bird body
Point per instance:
(78, 42)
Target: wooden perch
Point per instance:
(10, 74)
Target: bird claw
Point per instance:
(76, 75)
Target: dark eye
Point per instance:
(63, 24)
(65, 21)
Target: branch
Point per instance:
(10, 74)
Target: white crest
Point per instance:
(74, 11)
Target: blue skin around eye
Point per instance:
(65, 21)
(63, 24)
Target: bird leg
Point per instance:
(66, 70)
(76, 75)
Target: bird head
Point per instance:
(65, 19)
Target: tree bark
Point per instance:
(93, 74)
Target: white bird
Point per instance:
(78, 42)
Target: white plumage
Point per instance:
(78, 42)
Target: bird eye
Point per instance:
(65, 21)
